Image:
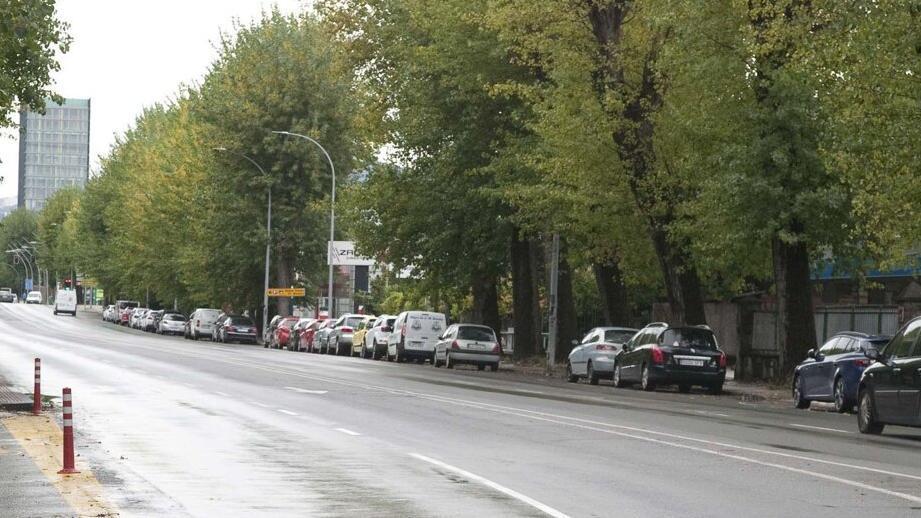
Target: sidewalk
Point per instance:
(24, 489)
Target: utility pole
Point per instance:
(554, 283)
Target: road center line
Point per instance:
(822, 428)
(544, 508)
(288, 412)
(305, 391)
(347, 431)
(219, 393)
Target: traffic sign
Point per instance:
(286, 292)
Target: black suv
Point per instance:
(661, 354)
(890, 390)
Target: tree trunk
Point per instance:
(566, 328)
(682, 286)
(614, 302)
(524, 298)
(486, 303)
(795, 320)
(283, 276)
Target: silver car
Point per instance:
(321, 336)
(171, 324)
(593, 357)
(470, 344)
(340, 337)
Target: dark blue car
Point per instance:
(833, 372)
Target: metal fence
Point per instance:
(829, 320)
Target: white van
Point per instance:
(414, 336)
(201, 323)
(65, 301)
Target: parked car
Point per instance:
(414, 335)
(109, 314)
(34, 297)
(123, 309)
(200, 323)
(358, 337)
(236, 328)
(283, 332)
(217, 326)
(307, 333)
(340, 337)
(268, 334)
(593, 357)
(65, 301)
(468, 344)
(320, 337)
(294, 342)
(833, 372)
(889, 391)
(172, 324)
(150, 321)
(375, 341)
(6, 295)
(136, 315)
(661, 354)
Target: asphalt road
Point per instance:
(173, 427)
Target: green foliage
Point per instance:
(31, 37)
(17, 230)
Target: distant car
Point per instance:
(340, 338)
(236, 328)
(6, 295)
(320, 337)
(358, 337)
(889, 391)
(375, 341)
(150, 321)
(123, 310)
(218, 324)
(171, 324)
(468, 344)
(662, 354)
(268, 334)
(108, 314)
(306, 338)
(65, 301)
(283, 332)
(294, 342)
(833, 372)
(593, 357)
(34, 297)
(135, 317)
(200, 323)
(414, 336)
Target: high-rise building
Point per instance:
(54, 150)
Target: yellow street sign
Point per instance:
(286, 292)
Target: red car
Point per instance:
(283, 331)
(306, 338)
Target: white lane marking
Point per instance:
(347, 431)
(305, 391)
(219, 393)
(263, 405)
(544, 508)
(821, 428)
(283, 411)
(487, 406)
(705, 412)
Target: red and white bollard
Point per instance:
(37, 395)
(68, 435)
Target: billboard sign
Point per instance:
(342, 253)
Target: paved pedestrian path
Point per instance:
(24, 489)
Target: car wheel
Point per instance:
(570, 377)
(55, 313)
(799, 400)
(618, 380)
(646, 383)
(842, 403)
(866, 415)
(684, 388)
(591, 374)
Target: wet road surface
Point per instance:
(174, 427)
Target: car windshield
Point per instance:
(353, 321)
(240, 321)
(689, 337)
(174, 317)
(618, 336)
(480, 334)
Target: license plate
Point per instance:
(478, 347)
(415, 344)
(691, 363)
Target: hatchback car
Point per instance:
(340, 337)
(306, 336)
(375, 341)
(593, 357)
(283, 332)
(320, 337)
(889, 391)
(236, 328)
(358, 337)
(661, 354)
(172, 324)
(833, 372)
(468, 344)
(34, 297)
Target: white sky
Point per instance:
(128, 54)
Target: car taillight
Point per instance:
(496, 349)
(862, 362)
(455, 345)
(346, 329)
(658, 357)
(723, 360)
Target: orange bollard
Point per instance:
(68, 435)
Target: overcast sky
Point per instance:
(128, 54)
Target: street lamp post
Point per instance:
(268, 236)
(26, 266)
(332, 215)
